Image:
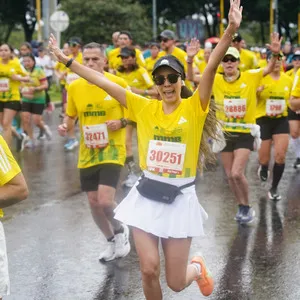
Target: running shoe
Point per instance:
(48, 132)
(122, 247)
(21, 142)
(273, 195)
(297, 163)
(239, 213)
(130, 180)
(263, 174)
(248, 215)
(205, 280)
(71, 144)
(109, 253)
(42, 135)
(29, 144)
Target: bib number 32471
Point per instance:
(166, 157)
(95, 136)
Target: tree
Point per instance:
(96, 20)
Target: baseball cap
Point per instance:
(233, 52)
(75, 40)
(167, 34)
(126, 52)
(296, 54)
(171, 62)
(237, 37)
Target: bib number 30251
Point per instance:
(235, 108)
(166, 157)
(275, 107)
(95, 136)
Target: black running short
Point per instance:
(272, 126)
(293, 116)
(237, 140)
(33, 108)
(104, 174)
(13, 105)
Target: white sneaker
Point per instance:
(109, 253)
(48, 132)
(131, 180)
(122, 243)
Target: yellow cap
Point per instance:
(233, 52)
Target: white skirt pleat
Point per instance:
(181, 219)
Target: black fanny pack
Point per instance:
(160, 191)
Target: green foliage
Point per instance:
(96, 20)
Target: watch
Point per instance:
(123, 122)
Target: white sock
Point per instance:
(296, 146)
(197, 267)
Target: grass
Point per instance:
(54, 93)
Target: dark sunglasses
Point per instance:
(296, 58)
(73, 44)
(227, 59)
(161, 79)
(164, 40)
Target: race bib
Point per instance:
(71, 77)
(165, 157)
(235, 108)
(27, 93)
(275, 107)
(4, 84)
(95, 136)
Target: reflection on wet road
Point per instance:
(53, 243)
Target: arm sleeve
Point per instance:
(194, 101)
(296, 86)
(148, 81)
(71, 108)
(256, 75)
(135, 103)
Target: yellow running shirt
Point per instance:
(114, 61)
(93, 106)
(168, 144)
(9, 89)
(237, 100)
(61, 68)
(138, 78)
(8, 166)
(296, 85)
(291, 73)
(150, 62)
(273, 101)
(70, 77)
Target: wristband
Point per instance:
(69, 62)
(123, 122)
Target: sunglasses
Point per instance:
(164, 40)
(227, 59)
(296, 58)
(161, 79)
(73, 44)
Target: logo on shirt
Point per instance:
(243, 85)
(135, 81)
(107, 98)
(89, 106)
(182, 120)
(286, 88)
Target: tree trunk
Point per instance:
(28, 30)
(8, 33)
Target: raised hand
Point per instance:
(193, 48)
(275, 45)
(55, 51)
(235, 14)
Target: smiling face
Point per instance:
(230, 65)
(5, 52)
(169, 92)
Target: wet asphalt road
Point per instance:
(53, 243)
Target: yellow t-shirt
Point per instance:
(201, 66)
(150, 62)
(61, 68)
(296, 85)
(291, 73)
(70, 77)
(262, 63)
(237, 100)
(9, 89)
(138, 78)
(275, 97)
(8, 166)
(114, 61)
(93, 106)
(248, 60)
(177, 135)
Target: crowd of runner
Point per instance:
(246, 101)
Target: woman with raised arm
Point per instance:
(163, 205)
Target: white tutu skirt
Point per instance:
(181, 219)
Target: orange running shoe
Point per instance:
(205, 280)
